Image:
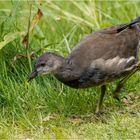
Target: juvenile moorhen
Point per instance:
(101, 57)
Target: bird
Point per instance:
(98, 59)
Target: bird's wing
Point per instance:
(114, 65)
(102, 71)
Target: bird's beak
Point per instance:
(33, 75)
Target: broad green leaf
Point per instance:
(9, 37)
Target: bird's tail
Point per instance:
(137, 20)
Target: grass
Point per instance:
(45, 108)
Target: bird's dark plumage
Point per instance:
(102, 57)
(99, 58)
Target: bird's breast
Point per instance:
(85, 80)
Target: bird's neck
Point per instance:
(67, 71)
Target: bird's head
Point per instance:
(46, 64)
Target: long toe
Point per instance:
(116, 97)
(99, 113)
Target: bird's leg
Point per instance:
(121, 83)
(117, 90)
(99, 105)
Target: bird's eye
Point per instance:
(42, 64)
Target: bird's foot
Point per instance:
(116, 96)
(98, 112)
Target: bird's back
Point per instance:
(105, 44)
